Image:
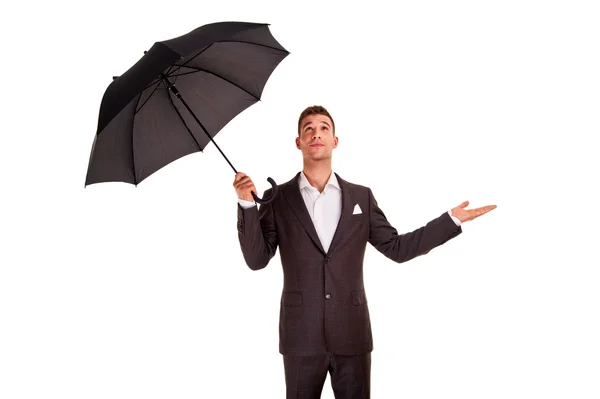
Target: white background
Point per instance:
(113, 291)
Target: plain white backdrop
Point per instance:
(113, 291)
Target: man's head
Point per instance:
(314, 110)
(316, 133)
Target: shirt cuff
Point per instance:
(456, 220)
(246, 204)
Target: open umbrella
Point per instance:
(178, 96)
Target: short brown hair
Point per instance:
(315, 110)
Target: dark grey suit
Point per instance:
(323, 304)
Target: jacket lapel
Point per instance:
(346, 212)
(296, 202)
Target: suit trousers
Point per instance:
(350, 376)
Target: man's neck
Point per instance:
(318, 174)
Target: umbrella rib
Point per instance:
(132, 146)
(171, 71)
(183, 121)
(188, 61)
(152, 84)
(150, 96)
(231, 41)
(254, 44)
(196, 69)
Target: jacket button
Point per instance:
(327, 259)
(327, 296)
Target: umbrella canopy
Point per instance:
(178, 96)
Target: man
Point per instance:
(321, 225)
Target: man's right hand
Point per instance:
(244, 186)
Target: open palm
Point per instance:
(464, 215)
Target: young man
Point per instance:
(321, 225)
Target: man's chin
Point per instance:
(317, 158)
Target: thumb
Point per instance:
(464, 204)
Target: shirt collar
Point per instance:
(303, 182)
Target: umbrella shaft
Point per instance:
(174, 90)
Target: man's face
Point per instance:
(317, 139)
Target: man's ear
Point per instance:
(335, 141)
(298, 142)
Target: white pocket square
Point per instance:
(356, 210)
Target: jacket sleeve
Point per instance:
(257, 233)
(404, 247)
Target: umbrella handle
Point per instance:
(269, 198)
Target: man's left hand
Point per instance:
(464, 215)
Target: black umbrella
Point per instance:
(178, 96)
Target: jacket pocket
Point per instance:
(359, 298)
(291, 299)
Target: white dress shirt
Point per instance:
(324, 208)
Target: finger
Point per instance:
(246, 181)
(473, 213)
(486, 208)
(247, 186)
(242, 181)
(464, 204)
(239, 175)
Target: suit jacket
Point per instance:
(323, 305)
